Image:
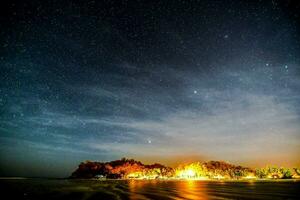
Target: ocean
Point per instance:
(147, 189)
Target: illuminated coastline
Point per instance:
(212, 170)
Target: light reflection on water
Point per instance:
(148, 189)
(193, 189)
(155, 189)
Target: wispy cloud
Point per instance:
(187, 114)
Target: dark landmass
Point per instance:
(130, 168)
(119, 169)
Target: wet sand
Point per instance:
(147, 189)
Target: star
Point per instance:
(135, 74)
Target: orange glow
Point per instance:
(218, 177)
(218, 170)
(191, 171)
(250, 176)
(134, 175)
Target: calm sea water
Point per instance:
(146, 189)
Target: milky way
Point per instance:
(154, 81)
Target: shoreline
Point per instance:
(151, 180)
(198, 180)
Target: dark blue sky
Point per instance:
(165, 81)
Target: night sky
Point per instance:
(165, 81)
